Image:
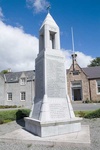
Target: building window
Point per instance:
(23, 81)
(98, 86)
(9, 96)
(76, 72)
(23, 96)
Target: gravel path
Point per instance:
(31, 145)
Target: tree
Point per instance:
(95, 62)
(4, 71)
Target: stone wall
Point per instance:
(80, 77)
(2, 90)
(95, 96)
(16, 89)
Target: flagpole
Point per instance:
(73, 48)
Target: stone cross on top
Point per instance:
(48, 8)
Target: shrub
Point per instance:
(81, 113)
(87, 101)
(20, 114)
(7, 106)
(93, 114)
(1, 121)
(11, 115)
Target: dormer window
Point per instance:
(76, 72)
(23, 81)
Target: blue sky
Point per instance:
(28, 15)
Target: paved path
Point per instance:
(7, 144)
(89, 106)
(76, 106)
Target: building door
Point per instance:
(76, 91)
(77, 94)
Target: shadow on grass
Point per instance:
(20, 117)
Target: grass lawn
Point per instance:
(11, 115)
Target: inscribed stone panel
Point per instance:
(55, 79)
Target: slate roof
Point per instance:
(11, 77)
(14, 76)
(92, 72)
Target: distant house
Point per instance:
(17, 88)
(83, 83)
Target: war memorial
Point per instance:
(52, 122)
(52, 113)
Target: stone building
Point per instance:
(17, 88)
(83, 83)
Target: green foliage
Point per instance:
(7, 106)
(4, 71)
(11, 115)
(87, 101)
(6, 121)
(91, 101)
(82, 113)
(88, 114)
(93, 114)
(95, 62)
(20, 114)
(29, 145)
(1, 121)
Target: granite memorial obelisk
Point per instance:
(52, 112)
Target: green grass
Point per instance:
(88, 114)
(93, 114)
(82, 113)
(11, 115)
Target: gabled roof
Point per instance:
(15, 76)
(11, 77)
(49, 20)
(92, 72)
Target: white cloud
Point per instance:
(37, 5)
(18, 50)
(1, 14)
(82, 59)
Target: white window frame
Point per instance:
(98, 86)
(23, 81)
(77, 83)
(22, 96)
(9, 96)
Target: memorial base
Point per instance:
(52, 128)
